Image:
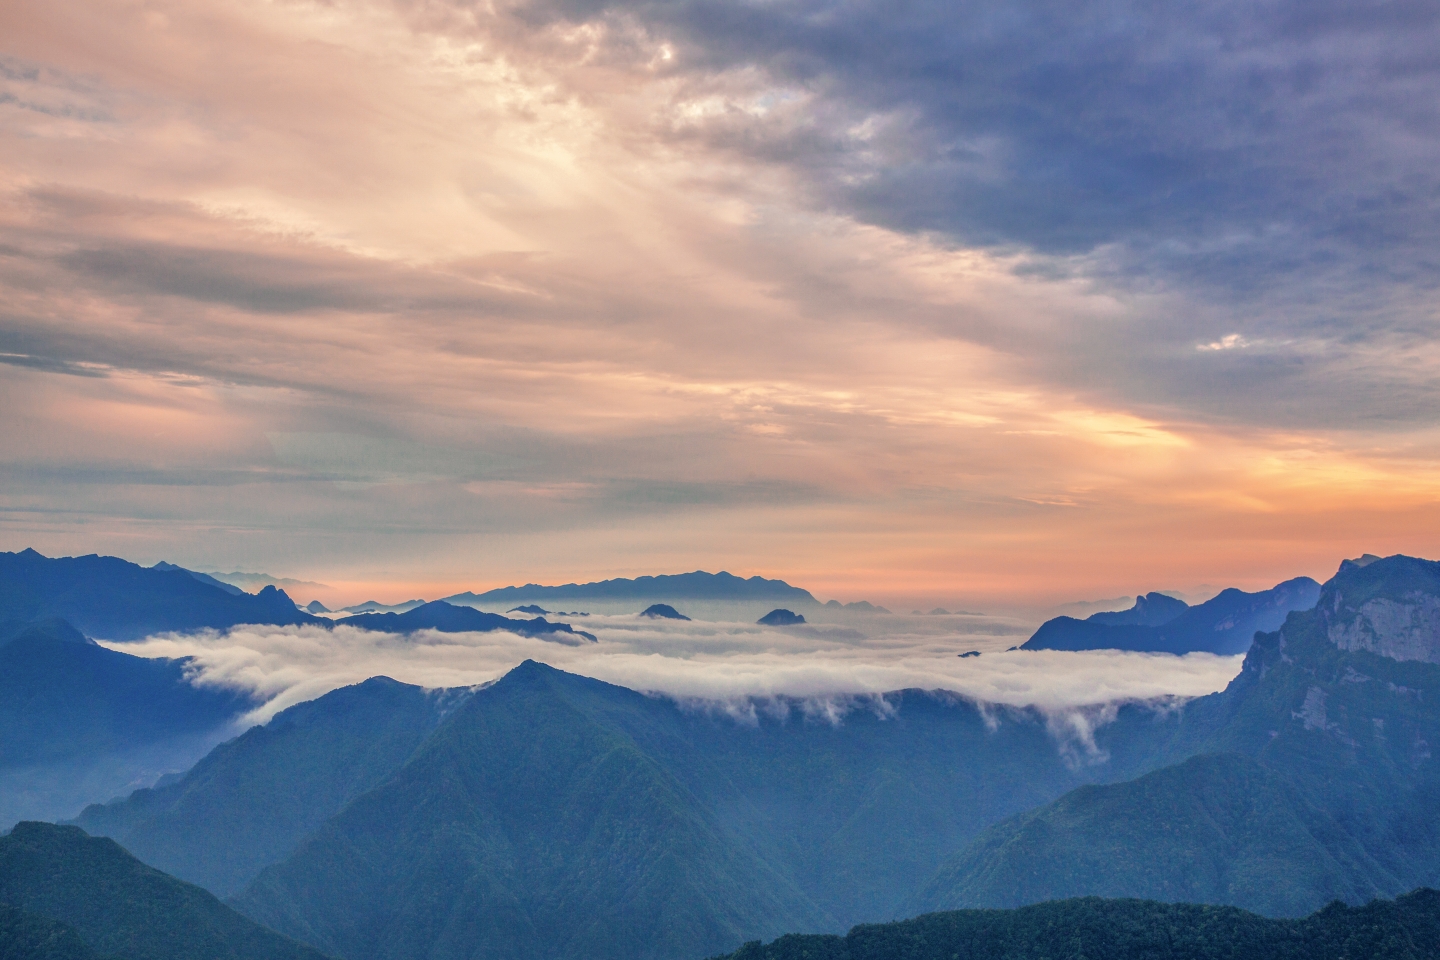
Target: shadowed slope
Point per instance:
(1407, 928)
(122, 908)
(250, 801)
(529, 826)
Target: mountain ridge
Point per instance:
(1225, 624)
(697, 585)
(1337, 738)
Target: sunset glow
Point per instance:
(411, 298)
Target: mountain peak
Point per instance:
(1390, 607)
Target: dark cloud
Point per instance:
(1296, 132)
(1273, 168)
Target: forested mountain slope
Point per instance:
(568, 817)
(249, 802)
(120, 907)
(78, 721)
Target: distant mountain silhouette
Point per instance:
(316, 607)
(863, 606)
(1225, 624)
(375, 606)
(531, 608)
(229, 588)
(781, 618)
(448, 618)
(662, 611)
(683, 586)
(123, 909)
(114, 599)
(1151, 610)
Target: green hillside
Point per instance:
(121, 908)
(29, 936)
(251, 801)
(1320, 785)
(1407, 928)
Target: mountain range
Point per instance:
(1309, 778)
(569, 817)
(84, 898)
(551, 815)
(449, 618)
(1224, 624)
(682, 586)
(113, 599)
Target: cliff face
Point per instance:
(1388, 607)
(1407, 629)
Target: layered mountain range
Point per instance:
(1309, 778)
(85, 898)
(551, 815)
(1157, 623)
(546, 808)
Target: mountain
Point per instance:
(62, 696)
(447, 618)
(123, 909)
(553, 815)
(536, 828)
(1309, 778)
(251, 800)
(1151, 610)
(229, 588)
(781, 618)
(1407, 928)
(683, 586)
(1224, 624)
(864, 606)
(375, 606)
(79, 722)
(114, 599)
(662, 611)
(255, 582)
(29, 936)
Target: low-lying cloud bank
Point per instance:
(732, 667)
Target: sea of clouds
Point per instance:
(727, 665)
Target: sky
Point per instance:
(976, 304)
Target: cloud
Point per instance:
(734, 668)
(896, 303)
